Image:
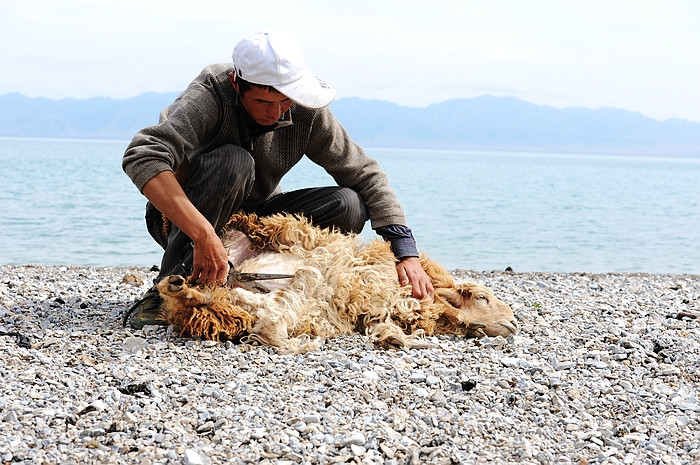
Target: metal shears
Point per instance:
(249, 281)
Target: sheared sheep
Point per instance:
(341, 284)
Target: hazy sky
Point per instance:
(634, 54)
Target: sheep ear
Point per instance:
(451, 295)
(466, 290)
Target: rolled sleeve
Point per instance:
(403, 244)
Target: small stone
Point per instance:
(313, 418)
(99, 405)
(668, 370)
(438, 398)
(356, 437)
(193, 458)
(510, 361)
(205, 427)
(652, 445)
(564, 366)
(597, 364)
(687, 406)
(420, 392)
(614, 330)
(134, 344)
(208, 390)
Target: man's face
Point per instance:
(264, 106)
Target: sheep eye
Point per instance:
(482, 297)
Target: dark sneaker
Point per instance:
(145, 311)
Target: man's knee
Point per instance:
(219, 182)
(225, 166)
(351, 212)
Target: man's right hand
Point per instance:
(210, 261)
(210, 264)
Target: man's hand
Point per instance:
(210, 262)
(410, 272)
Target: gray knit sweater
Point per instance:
(206, 115)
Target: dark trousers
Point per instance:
(218, 184)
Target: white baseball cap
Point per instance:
(273, 58)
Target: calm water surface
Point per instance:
(68, 202)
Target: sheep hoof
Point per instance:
(392, 342)
(175, 283)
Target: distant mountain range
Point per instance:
(490, 123)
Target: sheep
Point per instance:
(341, 284)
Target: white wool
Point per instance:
(340, 285)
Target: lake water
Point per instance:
(68, 202)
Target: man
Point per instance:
(224, 145)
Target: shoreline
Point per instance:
(605, 369)
(455, 271)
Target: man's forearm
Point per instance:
(210, 260)
(165, 193)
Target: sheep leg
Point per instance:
(209, 313)
(175, 287)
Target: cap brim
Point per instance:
(308, 91)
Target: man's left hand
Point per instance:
(410, 272)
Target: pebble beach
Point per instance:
(605, 369)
